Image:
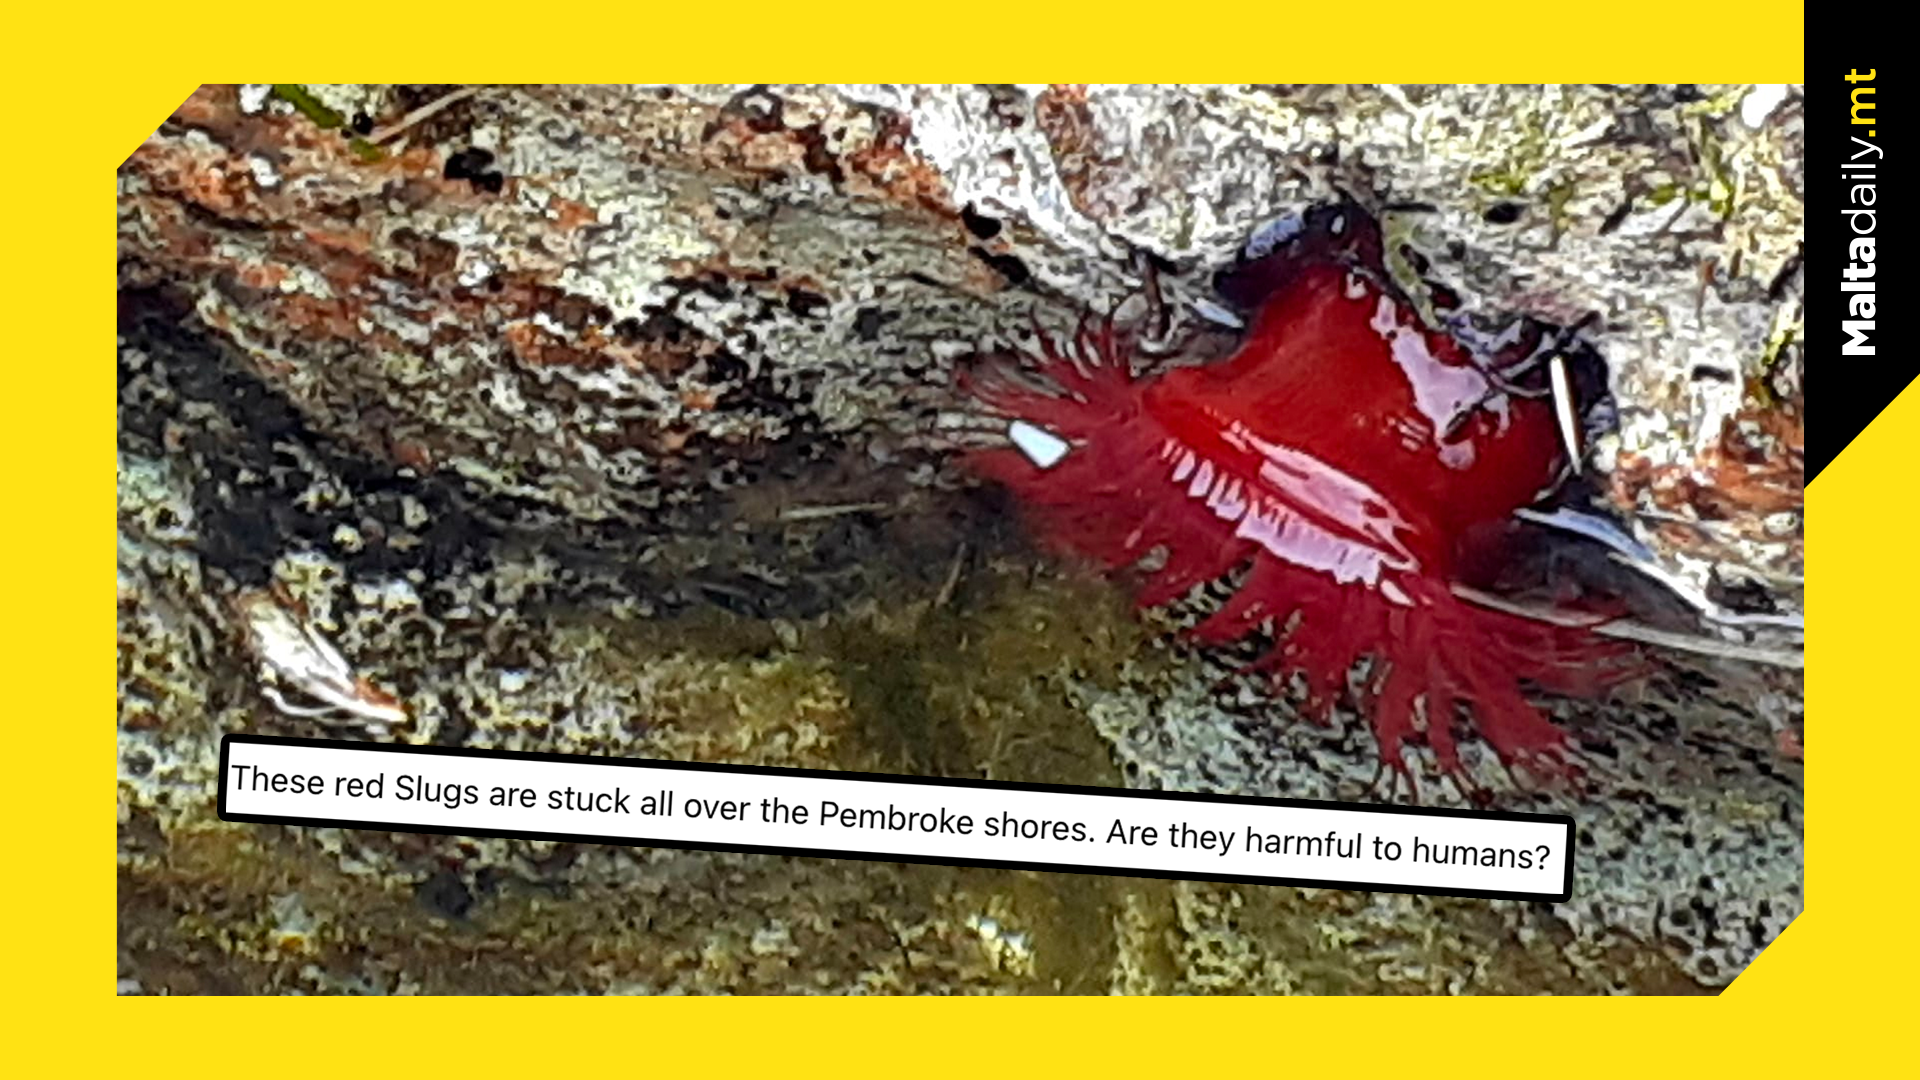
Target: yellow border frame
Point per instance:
(90, 90)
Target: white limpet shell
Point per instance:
(1042, 447)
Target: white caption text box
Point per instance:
(905, 819)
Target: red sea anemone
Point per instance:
(1359, 463)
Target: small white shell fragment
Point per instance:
(1216, 314)
(1042, 447)
(1564, 405)
(290, 650)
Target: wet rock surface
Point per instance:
(619, 420)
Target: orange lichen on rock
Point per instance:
(1754, 469)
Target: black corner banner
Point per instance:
(1853, 218)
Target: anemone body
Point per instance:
(1357, 463)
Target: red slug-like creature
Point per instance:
(1360, 462)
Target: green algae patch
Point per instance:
(962, 679)
(309, 106)
(977, 690)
